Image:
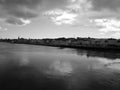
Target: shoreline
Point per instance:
(76, 47)
(79, 43)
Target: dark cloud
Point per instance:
(20, 8)
(26, 9)
(23, 14)
(51, 4)
(113, 5)
(14, 3)
(16, 21)
(15, 10)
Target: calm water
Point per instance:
(24, 67)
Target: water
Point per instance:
(24, 67)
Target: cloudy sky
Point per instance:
(59, 18)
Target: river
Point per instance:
(24, 67)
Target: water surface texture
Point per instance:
(24, 67)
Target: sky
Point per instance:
(59, 18)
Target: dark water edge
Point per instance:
(105, 49)
(33, 67)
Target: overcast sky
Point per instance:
(59, 18)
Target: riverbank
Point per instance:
(82, 43)
(106, 49)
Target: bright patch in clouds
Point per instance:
(25, 22)
(3, 29)
(80, 5)
(72, 0)
(60, 17)
(70, 14)
(108, 25)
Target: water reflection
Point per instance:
(24, 59)
(24, 67)
(102, 54)
(60, 67)
(112, 64)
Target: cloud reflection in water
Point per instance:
(106, 63)
(60, 68)
(24, 59)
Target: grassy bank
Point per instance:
(83, 43)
